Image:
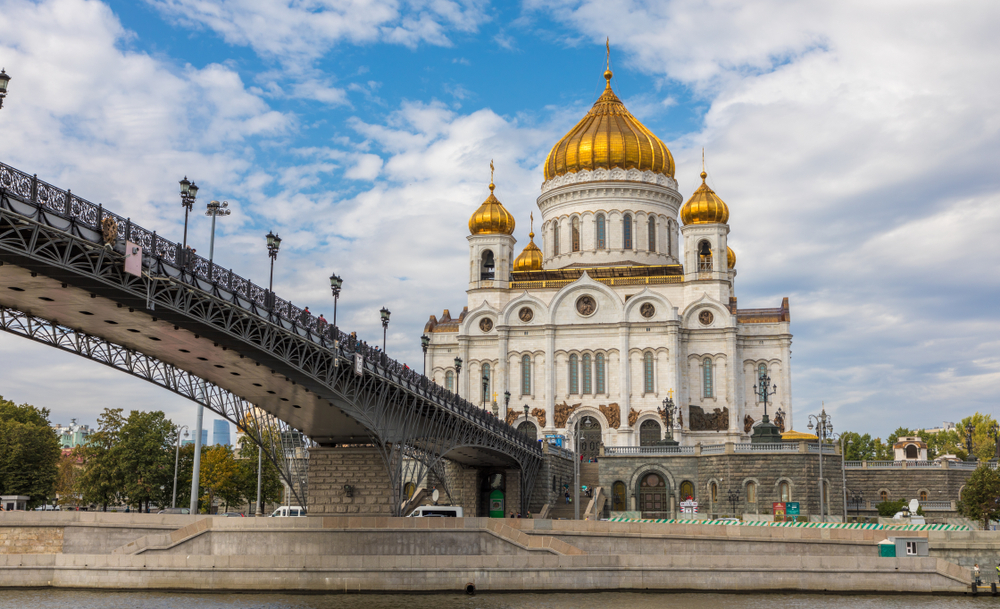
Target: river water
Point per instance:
(77, 599)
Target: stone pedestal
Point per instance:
(765, 433)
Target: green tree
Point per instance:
(943, 443)
(981, 496)
(888, 509)
(246, 476)
(218, 476)
(858, 447)
(70, 469)
(185, 469)
(983, 446)
(29, 452)
(103, 477)
(146, 455)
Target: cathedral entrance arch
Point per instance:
(528, 430)
(652, 500)
(591, 436)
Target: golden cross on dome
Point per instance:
(491, 170)
(670, 394)
(494, 396)
(607, 45)
(532, 216)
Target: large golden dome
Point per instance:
(730, 258)
(531, 258)
(609, 136)
(491, 218)
(704, 206)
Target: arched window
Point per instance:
(912, 452)
(923, 496)
(883, 495)
(652, 234)
(652, 496)
(751, 492)
(601, 233)
(574, 374)
(761, 371)
(530, 432)
(627, 232)
(618, 496)
(576, 234)
(649, 433)
(599, 373)
(714, 488)
(449, 381)
(487, 381)
(587, 384)
(706, 374)
(784, 492)
(526, 375)
(704, 257)
(488, 269)
(555, 238)
(670, 229)
(687, 490)
(647, 372)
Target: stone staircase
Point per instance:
(589, 477)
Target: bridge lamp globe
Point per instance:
(384, 312)
(425, 341)
(335, 284)
(185, 186)
(458, 365)
(4, 79)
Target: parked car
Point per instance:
(288, 510)
(437, 511)
(231, 514)
(48, 508)
(175, 511)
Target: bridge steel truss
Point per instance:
(412, 421)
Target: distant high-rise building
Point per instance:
(220, 432)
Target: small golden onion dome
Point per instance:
(491, 217)
(531, 258)
(609, 136)
(704, 206)
(730, 257)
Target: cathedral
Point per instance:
(624, 323)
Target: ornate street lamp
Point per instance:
(668, 414)
(4, 79)
(189, 191)
(824, 429)
(766, 432)
(273, 244)
(384, 312)
(734, 498)
(215, 209)
(425, 341)
(969, 430)
(486, 389)
(458, 376)
(506, 402)
(335, 284)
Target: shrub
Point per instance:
(888, 509)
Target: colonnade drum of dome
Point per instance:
(206, 333)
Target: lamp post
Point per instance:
(260, 452)
(458, 376)
(969, 430)
(734, 498)
(856, 498)
(214, 209)
(506, 403)
(843, 472)
(335, 284)
(384, 312)
(668, 414)
(189, 191)
(766, 432)
(177, 456)
(824, 429)
(486, 389)
(4, 79)
(273, 243)
(994, 433)
(425, 341)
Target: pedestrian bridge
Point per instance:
(202, 331)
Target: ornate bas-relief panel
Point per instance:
(486, 324)
(633, 416)
(562, 412)
(539, 413)
(706, 318)
(586, 305)
(525, 314)
(780, 422)
(613, 414)
(647, 310)
(747, 423)
(717, 420)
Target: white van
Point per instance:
(288, 510)
(437, 511)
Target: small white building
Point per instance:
(14, 503)
(910, 448)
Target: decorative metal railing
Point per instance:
(251, 297)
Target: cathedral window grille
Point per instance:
(526, 375)
(599, 373)
(649, 433)
(555, 238)
(704, 257)
(601, 232)
(627, 232)
(574, 372)
(488, 383)
(449, 381)
(647, 372)
(707, 380)
(670, 229)
(652, 234)
(575, 226)
(585, 363)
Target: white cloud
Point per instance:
(366, 167)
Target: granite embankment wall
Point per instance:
(444, 554)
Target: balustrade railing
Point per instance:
(191, 267)
(772, 447)
(625, 451)
(713, 449)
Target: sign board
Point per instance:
(133, 259)
(779, 511)
(689, 507)
(359, 364)
(792, 508)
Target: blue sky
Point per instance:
(854, 143)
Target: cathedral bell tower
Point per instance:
(706, 252)
(491, 245)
